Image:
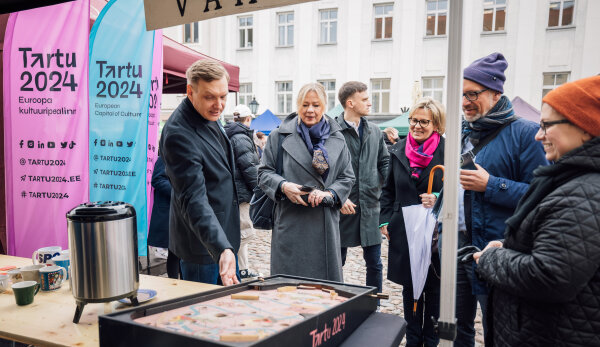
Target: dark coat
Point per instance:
(158, 233)
(546, 278)
(246, 159)
(401, 190)
(510, 159)
(205, 217)
(305, 240)
(370, 160)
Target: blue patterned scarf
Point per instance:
(314, 138)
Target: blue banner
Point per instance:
(120, 72)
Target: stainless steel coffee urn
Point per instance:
(104, 255)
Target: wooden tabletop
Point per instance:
(48, 321)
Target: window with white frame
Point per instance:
(433, 87)
(284, 97)
(328, 26)
(383, 20)
(494, 15)
(380, 95)
(285, 29)
(245, 94)
(245, 29)
(191, 33)
(329, 86)
(553, 80)
(437, 13)
(560, 13)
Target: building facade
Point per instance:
(396, 47)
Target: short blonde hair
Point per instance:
(437, 110)
(206, 70)
(312, 87)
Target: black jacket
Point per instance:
(546, 278)
(205, 217)
(158, 233)
(401, 190)
(246, 159)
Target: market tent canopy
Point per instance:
(524, 110)
(265, 123)
(176, 59)
(400, 123)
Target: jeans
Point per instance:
(419, 329)
(372, 257)
(466, 307)
(205, 273)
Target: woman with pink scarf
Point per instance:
(411, 161)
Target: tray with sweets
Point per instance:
(277, 311)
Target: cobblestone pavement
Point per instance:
(354, 272)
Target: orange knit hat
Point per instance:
(579, 102)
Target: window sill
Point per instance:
(565, 27)
(244, 49)
(433, 37)
(493, 33)
(382, 40)
(291, 46)
(327, 44)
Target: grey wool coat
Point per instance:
(370, 160)
(305, 240)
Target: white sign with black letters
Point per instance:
(162, 14)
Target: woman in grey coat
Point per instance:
(306, 237)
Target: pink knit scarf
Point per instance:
(420, 155)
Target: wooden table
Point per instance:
(48, 320)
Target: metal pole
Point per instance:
(447, 320)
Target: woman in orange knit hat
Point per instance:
(545, 275)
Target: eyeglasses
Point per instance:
(472, 96)
(422, 122)
(545, 125)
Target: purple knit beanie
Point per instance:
(488, 71)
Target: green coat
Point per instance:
(370, 160)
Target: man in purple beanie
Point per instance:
(499, 156)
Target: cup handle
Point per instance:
(34, 257)
(64, 275)
(37, 289)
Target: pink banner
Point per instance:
(154, 116)
(46, 123)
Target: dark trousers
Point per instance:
(173, 270)
(372, 257)
(466, 307)
(419, 329)
(205, 273)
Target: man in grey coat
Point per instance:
(359, 220)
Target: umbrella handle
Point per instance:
(432, 174)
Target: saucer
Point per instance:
(143, 295)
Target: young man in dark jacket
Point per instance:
(246, 170)
(359, 219)
(204, 224)
(500, 176)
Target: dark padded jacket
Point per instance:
(546, 280)
(246, 159)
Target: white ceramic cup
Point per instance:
(32, 272)
(43, 255)
(4, 282)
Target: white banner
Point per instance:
(161, 14)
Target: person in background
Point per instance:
(505, 155)
(204, 224)
(390, 137)
(260, 141)
(411, 162)
(246, 166)
(545, 274)
(158, 233)
(316, 178)
(360, 212)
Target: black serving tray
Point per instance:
(120, 329)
